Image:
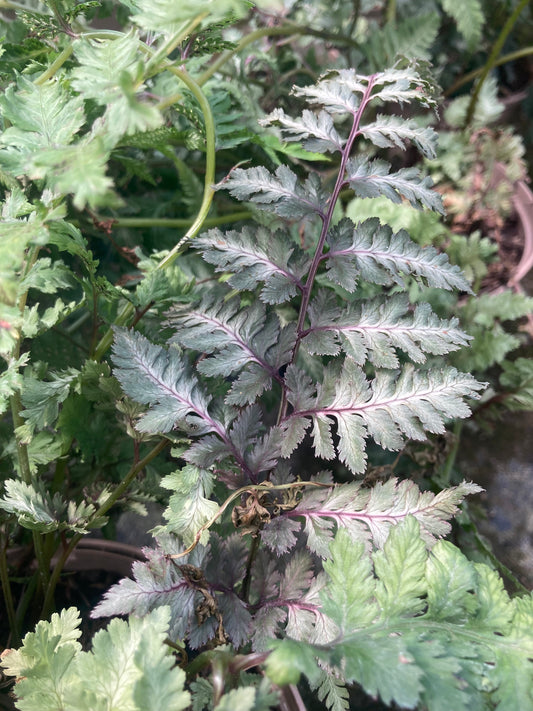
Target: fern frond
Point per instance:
(183, 585)
(372, 178)
(387, 409)
(316, 131)
(293, 603)
(375, 328)
(236, 338)
(469, 18)
(281, 193)
(255, 256)
(393, 131)
(411, 37)
(161, 379)
(374, 253)
(367, 514)
(417, 627)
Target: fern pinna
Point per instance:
(309, 337)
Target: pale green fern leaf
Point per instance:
(42, 117)
(170, 17)
(469, 17)
(34, 507)
(100, 63)
(371, 178)
(332, 692)
(411, 37)
(374, 329)
(255, 256)
(281, 192)
(128, 667)
(389, 408)
(374, 253)
(189, 506)
(78, 169)
(421, 649)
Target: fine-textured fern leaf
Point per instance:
(128, 667)
(411, 37)
(367, 514)
(153, 376)
(189, 506)
(42, 116)
(237, 338)
(469, 18)
(374, 253)
(373, 329)
(409, 651)
(370, 179)
(254, 256)
(397, 85)
(170, 17)
(316, 132)
(187, 585)
(109, 73)
(281, 193)
(292, 604)
(393, 131)
(390, 407)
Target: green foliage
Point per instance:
(127, 667)
(418, 628)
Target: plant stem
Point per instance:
(391, 11)
(8, 597)
(167, 48)
(16, 408)
(175, 222)
(510, 57)
(56, 64)
(282, 30)
(450, 460)
(491, 61)
(210, 146)
(101, 511)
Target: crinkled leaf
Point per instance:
(316, 131)
(393, 132)
(189, 506)
(387, 409)
(369, 514)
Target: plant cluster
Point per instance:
(252, 378)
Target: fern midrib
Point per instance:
(370, 405)
(491, 638)
(326, 223)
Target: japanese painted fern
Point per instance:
(288, 359)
